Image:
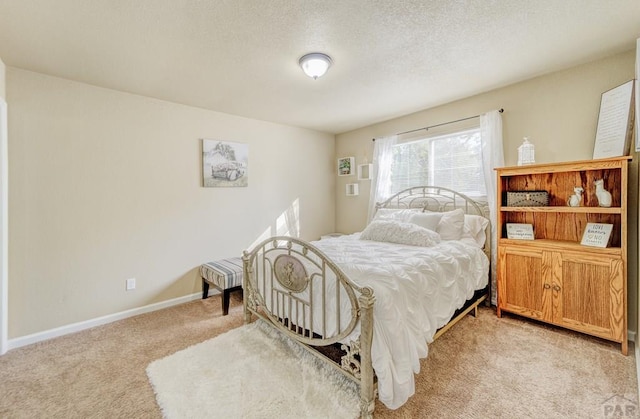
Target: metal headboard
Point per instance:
(433, 198)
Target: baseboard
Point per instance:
(110, 318)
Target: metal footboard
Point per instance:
(295, 287)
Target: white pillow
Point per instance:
(428, 220)
(451, 225)
(396, 214)
(392, 231)
(474, 228)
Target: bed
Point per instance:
(369, 303)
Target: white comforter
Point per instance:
(417, 291)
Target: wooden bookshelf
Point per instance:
(554, 278)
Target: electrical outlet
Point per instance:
(131, 284)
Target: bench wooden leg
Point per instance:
(205, 289)
(225, 301)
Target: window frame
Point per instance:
(432, 156)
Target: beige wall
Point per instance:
(558, 112)
(106, 186)
(2, 80)
(3, 219)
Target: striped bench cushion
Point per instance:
(224, 274)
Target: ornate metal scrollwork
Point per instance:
(348, 362)
(367, 292)
(252, 299)
(290, 273)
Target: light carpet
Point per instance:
(250, 372)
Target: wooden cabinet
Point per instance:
(554, 278)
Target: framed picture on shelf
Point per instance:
(346, 166)
(517, 231)
(596, 235)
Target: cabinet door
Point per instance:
(524, 278)
(589, 295)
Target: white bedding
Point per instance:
(417, 291)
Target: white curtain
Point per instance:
(381, 179)
(492, 157)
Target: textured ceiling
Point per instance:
(240, 57)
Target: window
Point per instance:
(452, 161)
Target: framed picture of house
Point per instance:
(346, 166)
(224, 163)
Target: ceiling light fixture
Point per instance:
(315, 64)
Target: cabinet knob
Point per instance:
(547, 286)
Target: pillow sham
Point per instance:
(474, 228)
(393, 231)
(396, 214)
(428, 220)
(451, 225)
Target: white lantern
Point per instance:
(526, 153)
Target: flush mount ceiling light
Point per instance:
(315, 64)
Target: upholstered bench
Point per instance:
(225, 275)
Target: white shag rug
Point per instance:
(253, 371)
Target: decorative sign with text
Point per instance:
(615, 122)
(520, 231)
(596, 235)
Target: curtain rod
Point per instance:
(444, 123)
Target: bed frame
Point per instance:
(304, 275)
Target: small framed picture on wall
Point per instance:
(224, 163)
(346, 166)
